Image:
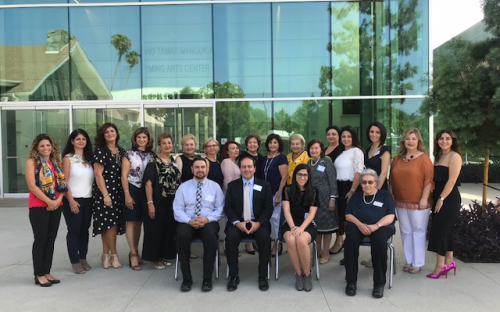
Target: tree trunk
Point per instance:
(485, 177)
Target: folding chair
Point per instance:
(216, 268)
(366, 241)
(248, 240)
(315, 262)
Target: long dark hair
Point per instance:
(381, 128)
(295, 193)
(100, 141)
(454, 144)
(354, 136)
(70, 148)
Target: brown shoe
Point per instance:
(78, 268)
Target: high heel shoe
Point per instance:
(115, 262)
(37, 282)
(135, 264)
(443, 271)
(106, 261)
(453, 266)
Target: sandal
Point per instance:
(115, 262)
(133, 260)
(414, 270)
(105, 261)
(323, 260)
(407, 267)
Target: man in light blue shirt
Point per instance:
(198, 206)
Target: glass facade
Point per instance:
(223, 69)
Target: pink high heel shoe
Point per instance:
(443, 271)
(453, 266)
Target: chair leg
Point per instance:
(217, 263)
(176, 274)
(276, 261)
(316, 260)
(392, 265)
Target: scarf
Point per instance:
(44, 178)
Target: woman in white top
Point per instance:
(77, 204)
(349, 165)
(133, 165)
(229, 165)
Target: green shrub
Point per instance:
(473, 173)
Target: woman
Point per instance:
(410, 182)
(252, 143)
(324, 180)
(229, 165)
(369, 213)
(297, 156)
(47, 185)
(133, 165)
(161, 180)
(211, 148)
(332, 136)
(275, 171)
(349, 164)
(77, 208)
(300, 203)
(185, 160)
(108, 192)
(447, 201)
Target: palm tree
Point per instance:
(132, 59)
(121, 43)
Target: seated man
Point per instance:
(369, 213)
(248, 208)
(198, 206)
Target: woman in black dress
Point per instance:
(300, 203)
(108, 192)
(252, 143)
(378, 155)
(161, 180)
(447, 201)
(211, 148)
(332, 137)
(185, 160)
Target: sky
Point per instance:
(451, 17)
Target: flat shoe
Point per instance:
(250, 252)
(406, 267)
(157, 265)
(193, 256)
(336, 252)
(78, 268)
(323, 260)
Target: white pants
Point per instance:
(413, 228)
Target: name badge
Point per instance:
(209, 198)
(321, 168)
(257, 187)
(376, 153)
(174, 164)
(378, 204)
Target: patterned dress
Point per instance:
(106, 217)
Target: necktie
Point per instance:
(246, 202)
(197, 209)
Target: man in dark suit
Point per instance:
(248, 208)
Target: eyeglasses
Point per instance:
(370, 182)
(302, 175)
(211, 146)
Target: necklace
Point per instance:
(266, 167)
(407, 159)
(373, 199)
(315, 163)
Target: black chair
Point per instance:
(197, 240)
(366, 241)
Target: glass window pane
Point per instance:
(19, 128)
(106, 55)
(14, 2)
(177, 48)
(242, 47)
(300, 37)
(34, 63)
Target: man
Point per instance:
(198, 206)
(248, 208)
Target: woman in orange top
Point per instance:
(410, 183)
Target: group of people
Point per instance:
(309, 194)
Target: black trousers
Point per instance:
(378, 251)
(159, 232)
(78, 225)
(45, 225)
(233, 238)
(209, 235)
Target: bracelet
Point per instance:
(441, 197)
(106, 195)
(378, 225)
(126, 191)
(149, 202)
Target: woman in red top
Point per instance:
(47, 185)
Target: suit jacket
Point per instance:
(262, 202)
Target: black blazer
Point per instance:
(262, 202)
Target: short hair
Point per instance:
(138, 131)
(100, 141)
(205, 144)
(198, 158)
(321, 146)
(297, 136)
(55, 157)
(402, 148)
(333, 127)
(246, 156)
(455, 146)
(163, 136)
(188, 137)
(277, 137)
(253, 136)
(371, 172)
(70, 148)
(381, 127)
(225, 149)
(354, 136)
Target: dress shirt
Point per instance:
(251, 197)
(212, 202)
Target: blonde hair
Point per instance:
(402, 148)
(188, 137)
(205, 144)
(55, 156)
(298, 136)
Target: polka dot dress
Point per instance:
(106, 217)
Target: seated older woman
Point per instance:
(369, 213)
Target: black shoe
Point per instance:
(250, 252)
(206, 285)
(37, 282)
(378, 291)
(342, 262)
(186, 285)
(232, 285)
(263, 284)
(350, 289)
(54, 281)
